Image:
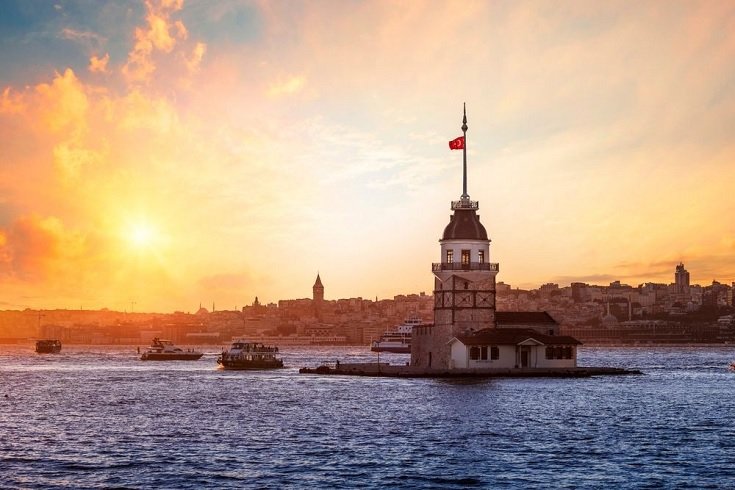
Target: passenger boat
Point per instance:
(249, 355)
(48, 346)
(398, 338)
(164, 350)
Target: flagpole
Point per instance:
(464, 152)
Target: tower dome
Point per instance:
(464, 224)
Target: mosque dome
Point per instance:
(609, 320)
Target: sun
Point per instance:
(141, 235)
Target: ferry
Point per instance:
(164, 350)
(397, 339)
(48, 346)
(249, 355)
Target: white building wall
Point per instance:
(459, 356)
(509, 358)
(475, 246)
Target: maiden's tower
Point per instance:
(468, 336)
(467, 332)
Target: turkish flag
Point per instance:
(457, 143)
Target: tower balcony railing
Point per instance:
(465, 204)
(459, 266)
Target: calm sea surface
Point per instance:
(94, 417)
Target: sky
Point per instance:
(161, 154)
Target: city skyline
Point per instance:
(167, 153)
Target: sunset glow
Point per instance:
(182, 152)
(141, 235)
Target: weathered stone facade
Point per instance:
(461, 306)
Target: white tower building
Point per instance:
(464, 283)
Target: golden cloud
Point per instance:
(10, 103)
(161, 34)
(193, 61)
(290, 86)
(33, 248)
(63, 103)
(99, 65)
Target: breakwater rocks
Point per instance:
(398, 371)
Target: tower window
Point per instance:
(465, 257)
(450, 256)
(481, 256)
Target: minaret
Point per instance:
(464, 283)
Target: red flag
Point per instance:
(457, 143)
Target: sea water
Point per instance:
(98, 417)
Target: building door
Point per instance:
(524, 356)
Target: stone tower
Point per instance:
(464, 282)
(317, 290)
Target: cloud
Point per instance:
(10, 102)
(99, 65)
(291, 85)
(63, 103)
(160, 34)
(91, 40)
(197, 54)
(34, 248)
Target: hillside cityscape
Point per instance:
(678, 312)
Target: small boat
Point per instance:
(48, 346)
(249, 355)
(397, 339)
(164, 350)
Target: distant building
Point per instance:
(681, 284)
(318, 290)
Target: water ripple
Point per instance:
(99, 418)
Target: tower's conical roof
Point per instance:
(318, 282)
(464, 225)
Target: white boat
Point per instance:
(398, 338)
(165, 350)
